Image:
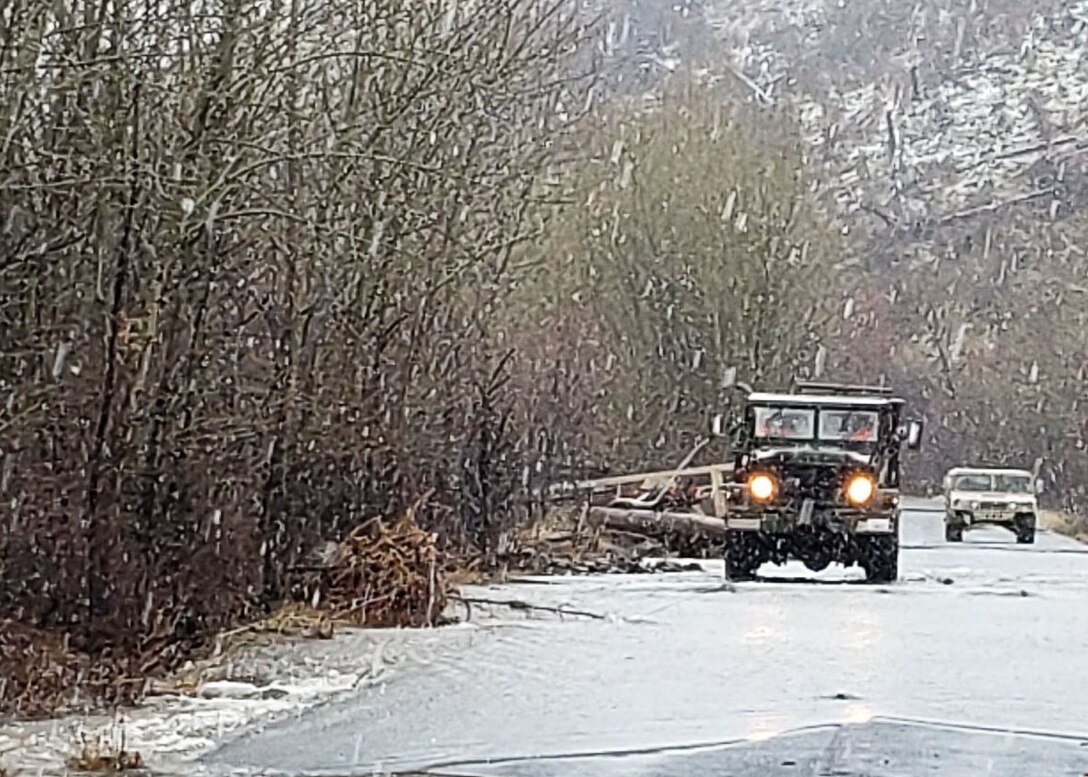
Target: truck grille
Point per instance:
(992, 511)
(820, 483)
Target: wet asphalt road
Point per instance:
(975, 662)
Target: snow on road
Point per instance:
(276, 680)
(983, 634)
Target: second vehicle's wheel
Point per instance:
(1025, 530)
(742, 555)
(880, 559)
(953, 532)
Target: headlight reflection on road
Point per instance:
(762, 635)
(767, 628)
(858, 713)
(762, 731)
(864, 629)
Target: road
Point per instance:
(972, 663)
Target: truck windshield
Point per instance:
(791, 423)
(1005, 484)
(853, 425)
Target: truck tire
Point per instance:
(953, 532)
(881, 559)
(1025, 530)
(742, 557)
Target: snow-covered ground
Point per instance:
(277, 680)
(983, 634)
(266, 683)
(978, 637)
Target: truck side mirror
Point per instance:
(914, 435)
(947, 483)
(1040, 487)
(717, 425)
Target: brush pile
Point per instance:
(382, 574)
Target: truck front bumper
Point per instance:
(843, 520)
(990, 517)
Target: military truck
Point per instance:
(980, 496)
(816, 478)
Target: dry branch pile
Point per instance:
(102, 756)
(384, 574)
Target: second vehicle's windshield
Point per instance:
(1005, 484)
(1013, 484)
(972, 483)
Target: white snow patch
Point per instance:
(263, 684)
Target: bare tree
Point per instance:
(249, 263)
(692, 256)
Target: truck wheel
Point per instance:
(1025, 530)
(881, 559)
(953, 532)
(742, 557)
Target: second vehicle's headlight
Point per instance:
(860, 489)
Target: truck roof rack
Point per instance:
(839, 389)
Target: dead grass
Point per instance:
(383, 574)
(42, 673)
(1062, 522)
(103, 755)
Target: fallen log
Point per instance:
(652, 523)
(647, 479)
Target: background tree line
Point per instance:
(268, 270)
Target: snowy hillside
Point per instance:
(928, 113)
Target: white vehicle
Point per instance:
(976, 496)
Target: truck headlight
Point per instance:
(860, 489)
(762, 486)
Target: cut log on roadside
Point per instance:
(656, 524)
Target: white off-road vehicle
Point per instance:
(977, 496)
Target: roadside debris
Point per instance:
(518, 604)
(103, 756)
(625, 519)
(381, 575)
(607, 540)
